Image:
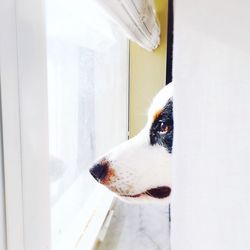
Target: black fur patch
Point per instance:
(165, 118)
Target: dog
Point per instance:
(140, 169)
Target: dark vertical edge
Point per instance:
(170, 40)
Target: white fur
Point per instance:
(139, 166)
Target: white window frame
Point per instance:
(24, 117)
(25, 130)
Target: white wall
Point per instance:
(211, 189)
(2, 200)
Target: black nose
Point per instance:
(99, 171)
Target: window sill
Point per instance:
(82, 231)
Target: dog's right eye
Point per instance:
(164, 127)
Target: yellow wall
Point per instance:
(147, 73)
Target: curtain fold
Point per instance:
(137, 18)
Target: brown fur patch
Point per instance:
(110, 172)
(157, 114)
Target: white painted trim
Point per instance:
(11, 126)
(31, 42)
(25, 133)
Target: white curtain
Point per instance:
(211, 182)
(137, 18)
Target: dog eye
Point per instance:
(164, 128)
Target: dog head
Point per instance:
(139, 169)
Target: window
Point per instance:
(87, 104)
(64, 103)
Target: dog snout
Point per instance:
(99, 171)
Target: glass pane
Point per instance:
(87, 92)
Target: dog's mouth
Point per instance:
(159, 193)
